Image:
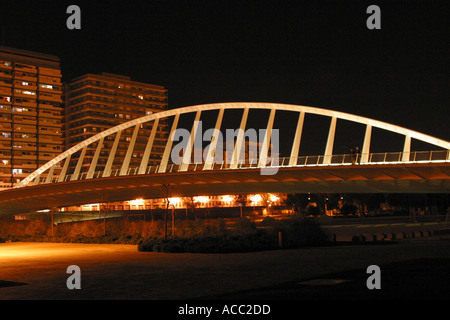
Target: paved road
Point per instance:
(345, 228)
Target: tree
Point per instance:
(165, 193)
(313, 210)
(347, 209)
(297, 201)
(241, 200)
(191, 203)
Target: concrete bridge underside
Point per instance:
(395, 178)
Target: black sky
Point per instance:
(316, 53)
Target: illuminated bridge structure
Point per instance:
(56, 184)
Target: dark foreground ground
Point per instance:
(417, 279)
(410, 269)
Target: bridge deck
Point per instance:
(394, 178)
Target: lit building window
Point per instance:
(255, 198)
(227, 198)
(201, 199)
(174, 201)
(137, 202)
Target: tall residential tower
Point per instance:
(94, 103)
(31, 112)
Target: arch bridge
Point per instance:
(71, 178)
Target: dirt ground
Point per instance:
(39, 270)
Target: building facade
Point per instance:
(94, 103)
(262, 201)
(31, 113)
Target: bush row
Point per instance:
(257, 241)
(295, 233)
(200, 236)
(117, 230)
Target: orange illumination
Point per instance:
(227, 198)
(273, 198)
(137, 202)
(90, 205)
(174, 201)
(255, 198)
(201, 199)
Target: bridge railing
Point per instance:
(301, 161)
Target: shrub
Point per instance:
(259, 240)
(129, 239)
(36, 228)
(244, 226)
(303, 232)
(152, 229)
(269, 222)
(348, 209)
(87, 229)
(214, 228)
(134, 228)
(200, 228)
(14, 229)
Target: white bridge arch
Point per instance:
(326, 159)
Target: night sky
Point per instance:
(314, 53)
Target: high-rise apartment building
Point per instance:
(31, 112)
(94, 103)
